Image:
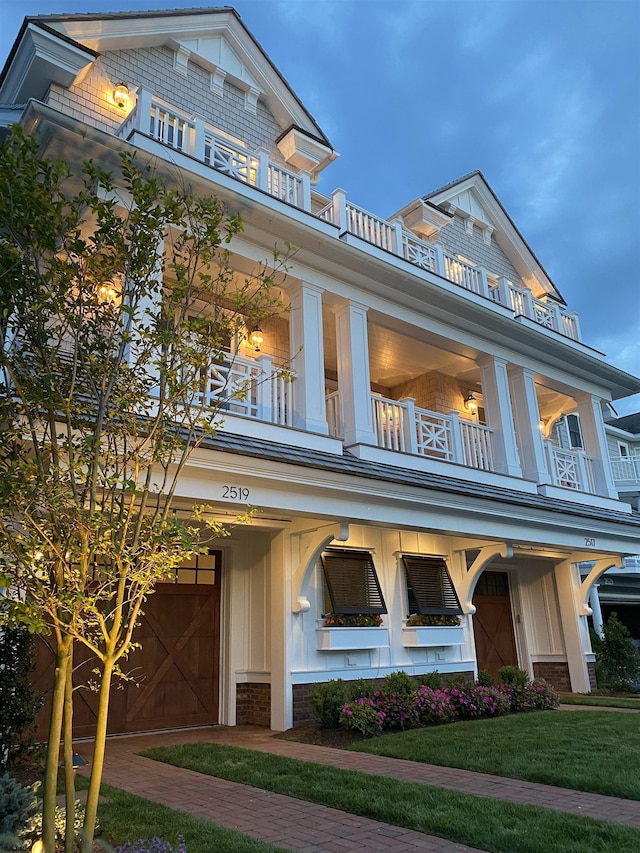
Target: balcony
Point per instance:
(626, 472)
(193, 136)
(571, 469)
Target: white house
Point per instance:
(425, 459)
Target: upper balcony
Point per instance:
(626, 472)
(193, 136)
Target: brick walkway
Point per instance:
(310, 828)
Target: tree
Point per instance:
(617, 660)
(118, 303)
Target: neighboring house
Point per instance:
(619, 590)
(427, 457)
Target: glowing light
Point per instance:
(121, 95)
(470, 403)
(256, 339)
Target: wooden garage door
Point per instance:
(493, 623)
(176, 671)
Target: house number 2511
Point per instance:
(235, 493)
(589, 542)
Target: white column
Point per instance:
(354, 382)
(595, 442)
(280, 632)
(497, 402)
(526, 415)
(574, 626)
(307, 358)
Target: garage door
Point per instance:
(176, 671)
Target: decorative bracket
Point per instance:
(485, 556)
(599, 568)
(322, 537)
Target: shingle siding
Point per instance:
(455, 240)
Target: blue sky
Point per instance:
(542, 95)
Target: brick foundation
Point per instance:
(253, 704)
(591, 669)
(557, 674)
(302, 711)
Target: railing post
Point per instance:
(198, 138)
(583, 474)
(556, 315)
(439, 255)
(410, 438)
(398, 229)
(575, 326)
(484, 284)
(340, 210)
(527, 303)
(457, 449)
(263, 169)
(551, 462)
(143, 108)
(264, 389)
(305, 177)
(504, 292)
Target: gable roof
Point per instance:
(472, 195)
(628, 423)
(214, 37)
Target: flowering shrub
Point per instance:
(538, 695)
(353, 620)
(421, 620)
(399, 710)
(473, 700)
(433, 706)
(363, 715)
(152, 845)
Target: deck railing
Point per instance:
(571, 469)
(191, 135)
(626, 470)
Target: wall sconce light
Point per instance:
(256, 339)
(121, 95)
(108, 293)
(470, 403)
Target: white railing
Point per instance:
(285, 185)
(626, 470)
(334, 419)
(461, 273)
(249, 388)
(571, 469)
(389, 423)
(434, 435)
(419, 253)
(477, 446)
(371, 228)
(235, 162)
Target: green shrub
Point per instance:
(485, 679)
(327, 701)
(513, 675)
(430, 679)
(359, 687)
(19, 702)
(617, 661)
(363, 716)
(399, 683)
(18, 806)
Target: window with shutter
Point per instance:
(429, 586)
(351, 583)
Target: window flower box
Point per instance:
(351, 639)
(430, 636)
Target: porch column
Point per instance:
(307, 358)
(354, 381)
(497, 401)
(280, 631)
(574, 626)
(595, 443)
(526, 415)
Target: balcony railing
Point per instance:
(249, 388)
(571, 469)
(626, 471)
(191, 135)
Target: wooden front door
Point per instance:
(175, 673)
(493, 623)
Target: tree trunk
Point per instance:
(97, 762)
(69, 775)
(63, 653)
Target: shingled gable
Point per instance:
(472, 197)
(216, 39)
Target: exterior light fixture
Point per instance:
(256, 339)
(107, 293)
(470, 403)
(121, 95)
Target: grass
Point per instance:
(125, 817)
(491, 825)
(590, 751)
(603, 701)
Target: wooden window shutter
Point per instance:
(429, 586)
(351, 582)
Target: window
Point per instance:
(566, 433)
(575, 436)
(429, 587)
(351, 582)
(199, 569)
(623, 449)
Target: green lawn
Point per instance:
(124, 817)
(477, 821)
(589, 751)
(603, 701)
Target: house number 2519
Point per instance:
(235, 493)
